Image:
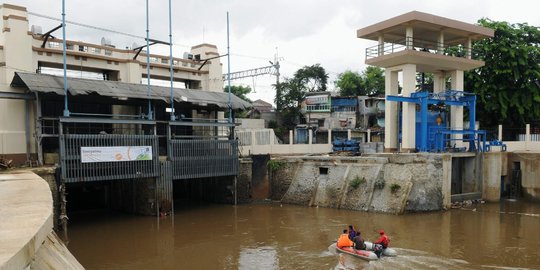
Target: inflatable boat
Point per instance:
(362, 254)
(368, 254)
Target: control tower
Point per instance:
(420, 42)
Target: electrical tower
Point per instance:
(273, 69)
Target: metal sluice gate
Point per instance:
(203, 158)
(187, 158)
(74, 170)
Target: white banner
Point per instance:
(115, 153)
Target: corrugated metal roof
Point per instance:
(55, 84)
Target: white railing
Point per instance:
(264, 141)
(526, 142)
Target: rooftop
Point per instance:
(427, 26)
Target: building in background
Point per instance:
(324, 112)
(29, 98)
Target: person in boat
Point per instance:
(384, 241)
(358, 242)
(344, 241)
(352, 232)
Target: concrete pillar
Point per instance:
(329, 136)
(527, 135)
(291, 137)
(408, 120)
(381, 45)
(369, 135)
(469, 48)
(456, 112)
(439, 82)
(310, 136)
(447, 180)
(409, 37)
(390, 112)
(132, 73)
(348, 134)
(440, 45)
(499, 135)
(491, 174)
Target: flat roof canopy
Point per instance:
(425, 27)
(55, 84)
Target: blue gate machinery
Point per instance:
(432, 132)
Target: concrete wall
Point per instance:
(28, 240)
(420, 181)
(285, 149)
(530, 173)
(517, 146)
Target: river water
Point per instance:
(274, 236)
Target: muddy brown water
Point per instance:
(273, 236)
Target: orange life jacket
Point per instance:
(344, 241)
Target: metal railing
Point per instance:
(73, 170)
(411, 43)
(318, 108)
(203, 158)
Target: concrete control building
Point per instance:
(420, 42)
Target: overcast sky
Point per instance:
(304, 32)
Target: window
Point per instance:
(53, 44)
(323, 171)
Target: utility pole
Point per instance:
(278, 87)
(66, 108)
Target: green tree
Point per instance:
(508, 86)
(428, 82)
(373, 78)
(312, 78)
(293, 91)
(349, 83)
(239, 91)
(370, 82)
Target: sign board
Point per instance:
(320, 99)
(115, 153)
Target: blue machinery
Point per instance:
(432, 134)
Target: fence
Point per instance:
(73, 170)
(203, 158)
